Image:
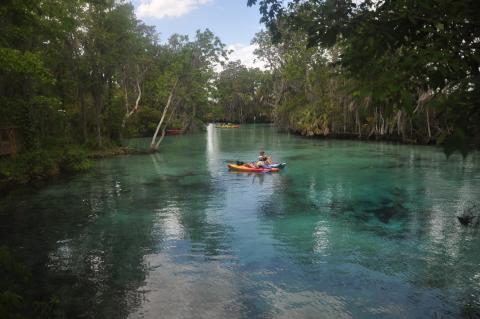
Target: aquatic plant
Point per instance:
(470, 214)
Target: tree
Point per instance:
(185, 78)
(398, 51)
(242, 94)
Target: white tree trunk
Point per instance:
(428, 126)
(154, 144)
(128, 113)
(164, 129)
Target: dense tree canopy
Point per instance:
(242, 94)
(79, 71)
(78, 75)
(404, 56)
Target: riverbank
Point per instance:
(373, 137)
(117, 151)
(34, 168)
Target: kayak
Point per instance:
(174, 131)
(247, 168)
(273, 165)
(277, 165)
(228, 126)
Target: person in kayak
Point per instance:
(263, 160)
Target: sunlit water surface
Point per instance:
(348, 230)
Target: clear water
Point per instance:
(348, 230)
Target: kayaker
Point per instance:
(263, 160)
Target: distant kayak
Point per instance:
(174, 131)
(248, 168)
(228, 126)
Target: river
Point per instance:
(347, 230)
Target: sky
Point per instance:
(231, 20)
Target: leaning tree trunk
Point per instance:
(428, 126)
(98, 115)
(165, 128)
(154, 144)
(357, 122)
(134, 110)
(84, 115)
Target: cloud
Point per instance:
(167, 8)
(244, 53)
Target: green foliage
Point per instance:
(18, 66)
(74, 159)
(395, 52)
(28, 166)
(79, 71)
(242, 94)
(82, 70)
(186, 65)
(40, 164)
(145, 122)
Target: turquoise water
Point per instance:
(348, 230)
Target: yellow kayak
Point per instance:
(228, 126)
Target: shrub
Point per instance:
(39, 164)
(74, 159)
(27, 166)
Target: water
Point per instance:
(348, 230)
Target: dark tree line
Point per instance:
(77, 71)
(404, 69)
(80, 75)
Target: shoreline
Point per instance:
(13, 185)
(389, 140)
(117, 151)
(9, 186)
(373, 138)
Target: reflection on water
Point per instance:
(347, 230)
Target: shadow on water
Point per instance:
(86, 242)
(57, 236)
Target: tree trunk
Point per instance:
(134, 110)
(98, 114)
(382, 126)
(84, 115)
(399, 118)
(278, 98)
(241, 113)
(154, 144)
(164, 129)
(428, 126)
(125, 91)
(357, 120)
